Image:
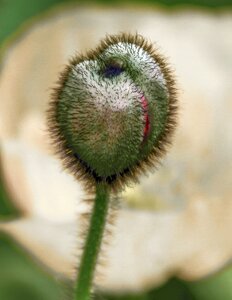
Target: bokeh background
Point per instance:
(21, 277)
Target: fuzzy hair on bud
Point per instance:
(113, 112)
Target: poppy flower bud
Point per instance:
(114, 110)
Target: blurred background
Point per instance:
(21, 277)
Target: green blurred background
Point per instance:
(21, 278)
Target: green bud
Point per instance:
(114, 110)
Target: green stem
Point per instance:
(93, 243)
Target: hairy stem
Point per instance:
(93, 243)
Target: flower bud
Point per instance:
(114, 110)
